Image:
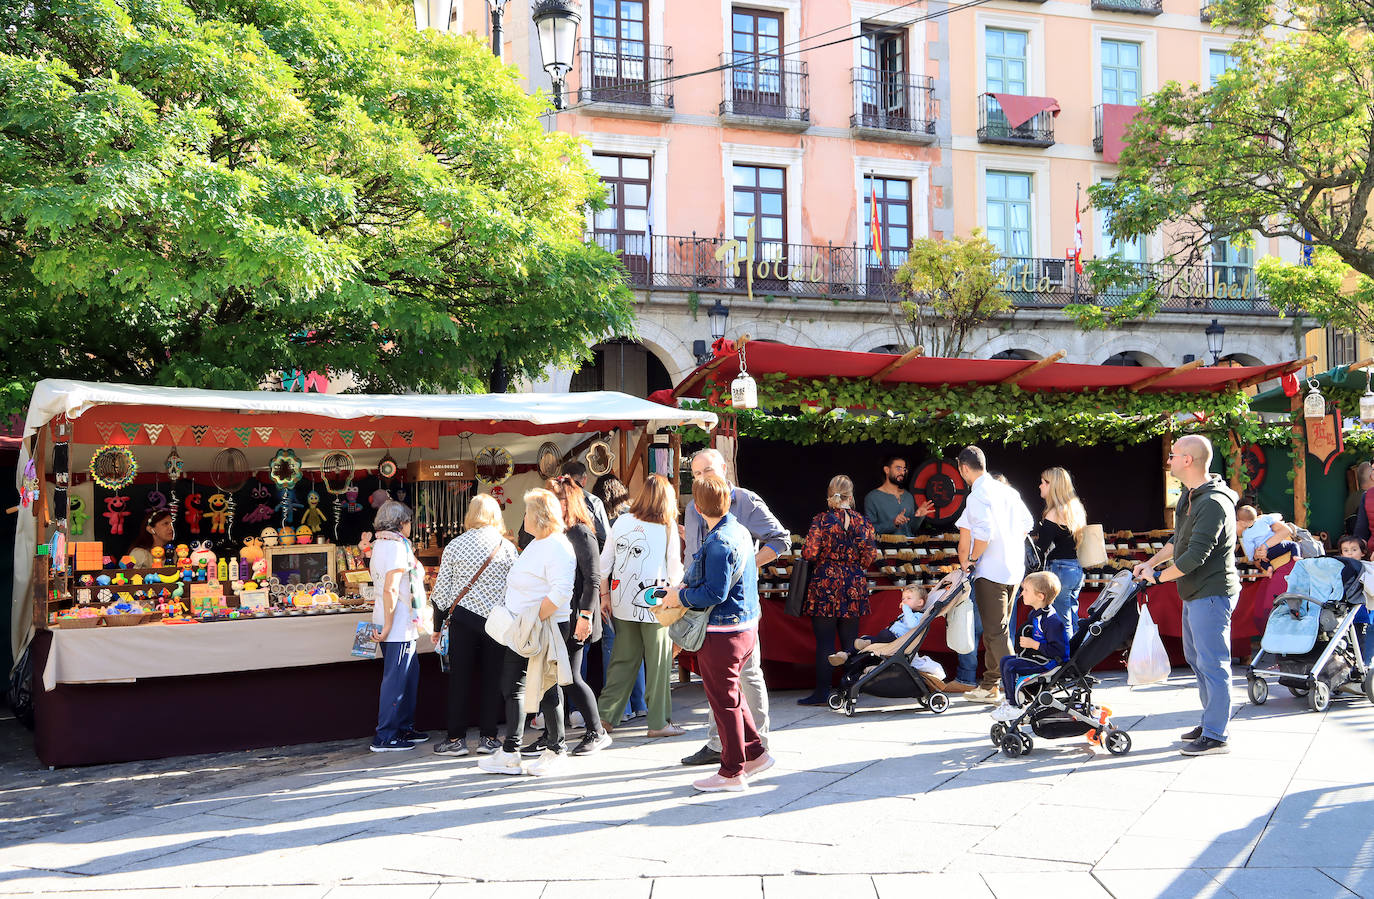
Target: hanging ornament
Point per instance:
(1367, 401)
(285, 468)
(494, 465)
(113, 467)
(337, 473)
(229, 472)
(28, 493)
(1314, 404)
(744, 391)
(174, 466)
(386, 469)
(312, 518)
(77, 515)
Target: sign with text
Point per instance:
(1324, 439)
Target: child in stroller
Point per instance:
(1043, 643)
(869, 650)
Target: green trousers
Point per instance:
(637, 641)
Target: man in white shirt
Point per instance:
(992, 549)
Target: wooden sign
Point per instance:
(1324, 439)
(442, 470)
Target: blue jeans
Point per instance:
(637, 703)
(1207, 648)
(400, 681)
(1070, 575)
(967, 670)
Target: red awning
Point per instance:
(1020, 110)
(929, 371)
(1115, 119)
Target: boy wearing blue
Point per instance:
(1043, 645)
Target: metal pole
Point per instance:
(1077, 192)
(496, 48)
(497, 381)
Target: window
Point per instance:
(618, 42)
(1009, 212)
(760, 197)
(894, 219)
(756, 49)
(1231, 263)
(1130, 250)
(1340, 347)
(1218, 61)
(1121, 73)
(1005, 64)
(624, 224)
(882, 59)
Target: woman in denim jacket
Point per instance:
(723, 578)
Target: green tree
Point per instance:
(954, 286)
(206, 192)
(1280, 146)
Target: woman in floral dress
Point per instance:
(840, 546)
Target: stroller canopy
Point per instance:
(1327, 579)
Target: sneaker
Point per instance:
(488, 745)
(641, 713)
(452, 747)
(958, 686)
(627, 717)
(415, 736)
(669, 730)
(754, 767)
(838, 658)
(1190, 736)
(501, 762)
(984, 694)
(391, 746)
(549, 762)
(538, 723)
(814, 699)
(1006, 712)
(592, 742)
(576, 720)
(703, 756)
(1206, 746)
(717, 784)
(532, 749)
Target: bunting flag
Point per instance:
(283, 436)
(407, 436)
(177, 432)
(384, 437)
(153, 432)
(366, 437)
(198, 432)
(346, 437)
(106, 429)
(327, 438)
(221, 435)
(307, 435)
(130, 430)
(264, 434)
(242, 434)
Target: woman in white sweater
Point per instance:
(541, 578)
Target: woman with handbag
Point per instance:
(1056, 539)
(723, 582)
(471, 582)
(840, 546)
(641, 553)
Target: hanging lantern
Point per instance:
(1314, 404)
(744, 391)
(1367, 401)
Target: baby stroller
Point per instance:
(1058, 704)
(1310, 644)
(894, 677)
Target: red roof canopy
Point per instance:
(930, 371)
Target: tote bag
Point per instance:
(1092, 546)
(796, 587)
(959, 628)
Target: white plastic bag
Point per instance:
(959, 628)
(1148, 663)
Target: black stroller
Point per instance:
(1311, 643)
(1058, 704)
(893, 677)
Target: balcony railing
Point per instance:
(1205, 12)
(993, 127)
(627, 73)
(893, 101)
(1143, 7)
(766, 87)
(803, 271)
(1098, 138)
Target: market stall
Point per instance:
(827, 412)
(238, 631)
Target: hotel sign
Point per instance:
(736, 255)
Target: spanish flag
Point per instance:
(875, 232)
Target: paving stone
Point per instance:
(822, 887)
(1359, 880)
(1134, 852)
(1110, 788)
(1204, 816)
(1045, 885)
(1162, 883)
(716, 887)
(525, 889)
(1284, 883)
(638, 888)
(1056, 832)
(1236, 776)
(963, 801)
(909, 886)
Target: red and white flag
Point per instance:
(1077, 239)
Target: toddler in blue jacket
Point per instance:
(1043, 644)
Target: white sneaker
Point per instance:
(549, 762)
(1006, 712)
(501, 762)
(576, 720)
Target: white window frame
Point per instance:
(789, 159)
(1035, 48)
(1149, 56)
(1039, 170)
(791, 23)
(865, 12)
(1152, 244)
(656, 148)
(915, 171)
(1210, 43)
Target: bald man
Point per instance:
(1202, 560)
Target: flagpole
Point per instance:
(1077, 194)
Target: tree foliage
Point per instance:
(954, 287)
(1280, 146)
(205, 192)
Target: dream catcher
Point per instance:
(175, 468)
(285, 470)
(599, 459)
(550, 460)
(228, 472)
(494, 465)
(337, 473)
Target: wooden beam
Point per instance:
(572, 453)
(1299, 464)
(634, 460)
(1362, 364)
(1160, 376)
(1033, 367)
(888, 369)
(1235, 461)
(700, 374)
(1288, 369)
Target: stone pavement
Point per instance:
(891, 804)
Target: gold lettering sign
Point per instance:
(744, 256)
(1324, 439)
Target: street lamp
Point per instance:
(717, 315)
(556, 21)
(1216, 336)
(498, 8)
(436, 14)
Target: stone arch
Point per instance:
(1146, 349)
(774, 330)
(1131, 357)
(1241, 359)
(674, 352)
(871, 338)
(1021, 341)
(1019, 355)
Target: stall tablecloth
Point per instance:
(122, 654)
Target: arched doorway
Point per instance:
(889, 348)
(1023, 355)
(1131, 358)
(622, 365)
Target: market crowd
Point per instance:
(515, 616)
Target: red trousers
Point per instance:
(719, 661)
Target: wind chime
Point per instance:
(175, 468)
(337, 473)
(441, 498)
(228, 472)
(285, 470)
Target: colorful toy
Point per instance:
(312, 518)
(304, 535)
(365, 544)
(116, 513)
(193, 512)
(219, 511)
(183, 557)
(126, 562)
(103, 580)
(269, 537)
(158, 554)
(121, 578)
(76, 516)
(287, 535)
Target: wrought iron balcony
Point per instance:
(629, 74)
(993, 127)
(1205, 12)
(777, 272)
(1143, 7)
(1098, 139)
(765, 91)
(893, 102)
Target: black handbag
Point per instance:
(1033, 560)
(796, 587)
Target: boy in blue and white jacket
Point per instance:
(1043, 645)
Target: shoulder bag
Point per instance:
(1092, 546)
(797, 586)
(688, 630)
(1033, 560)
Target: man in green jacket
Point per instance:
(1202, 552)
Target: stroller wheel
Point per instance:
(1319, 700)
(938, 702)
(1118, 742)
(999, 730)
(1369, 685)
(849, 708)
(1259, 690)
(1299, 692)
(836, 699)
(1094, 736)
(1013, 745)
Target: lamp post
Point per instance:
(498, 9)
(1216, 336)
(556, 22)
(718, 314)
(436, 14)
